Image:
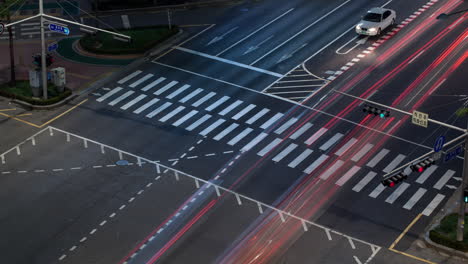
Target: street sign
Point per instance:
(439, 143)
(453, 153)
(420, 118)
(52, 46)
(2, 28)
(59, 29)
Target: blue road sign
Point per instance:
(2, 28)
(59, 29)
(52, 46)
(453, 153)
(439, 143)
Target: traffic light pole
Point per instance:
(464, 184)
(43, 52)
(42, 17)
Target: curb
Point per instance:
(44, 107)
(440, 248)
(130, 67)
(446, 210)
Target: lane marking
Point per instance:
(405, 231)
(415, 198)
(255, 31)
(364, 181)
(238, 64)
(300, 32)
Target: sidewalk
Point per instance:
(78, 74)
(421, 249)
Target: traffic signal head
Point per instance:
(49, 60)
(375, 111)
(393, 180)
(465, 195)
(37, 59)
(422, 165)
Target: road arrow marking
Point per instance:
(97, 94)
(106, 89)
(359, 42)
(287, 56)
(451, 187)
(216, 39)
(252, 48)
(457, 178)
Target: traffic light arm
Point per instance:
(402, 111)
(422, 157)
(88, 27)
(22, 20)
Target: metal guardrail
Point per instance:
(177, 174)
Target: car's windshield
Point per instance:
(373, 17)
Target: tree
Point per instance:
(5, 12)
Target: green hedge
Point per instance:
(143, 39)
(55, 96)
(445, 233)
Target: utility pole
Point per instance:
(43, 52)
(464, 184)
(42, 17)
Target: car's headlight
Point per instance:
(372, 29)
(358, 27)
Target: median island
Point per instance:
(446, 233)
(143, 39)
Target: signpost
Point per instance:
(60, 29)
(2, 28)
(419, 118)
(52, 46)
(453, 153)
(439, 144)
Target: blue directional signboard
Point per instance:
(453, 153)
(60, 29)
(52, 46)
(439, 143)
(2, 28)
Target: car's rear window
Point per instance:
(372, 17)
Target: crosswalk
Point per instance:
(247, 127)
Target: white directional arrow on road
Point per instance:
(451, 187)
(287, 56)
(252, 48)
(97, 94)
(457, 178)
(359, 42)
(216, 39)
(106, 89)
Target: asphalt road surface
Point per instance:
(253, 102)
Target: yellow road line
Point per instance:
(405, 231)
(64, 113)
(413, 257)
(27, 114)
(46, 123)
(10, 109)
(20, 120)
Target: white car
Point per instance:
(375, 21)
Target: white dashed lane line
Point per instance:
(104, 222)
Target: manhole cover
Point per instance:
(122, 162)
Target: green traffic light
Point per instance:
(382, 115)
